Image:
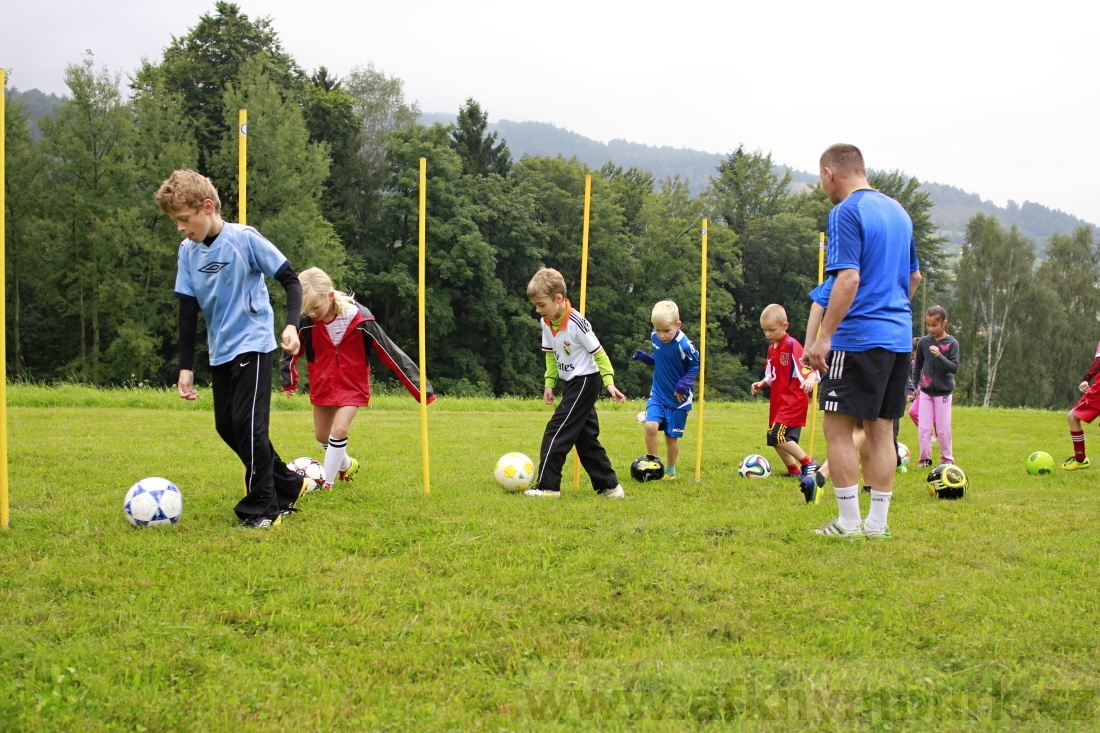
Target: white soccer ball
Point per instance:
(153, 502)
(640, 417)
(903, 454)
(514, 472)
(310, 469)
(754, 465)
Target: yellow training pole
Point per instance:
(584, 295)
(242, 166)
(242, 177)
(820, 279)
(4, 516)
(424, 456)
(702, 356)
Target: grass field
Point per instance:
(689, 605)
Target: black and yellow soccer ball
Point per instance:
(947, 481)
(647, 468)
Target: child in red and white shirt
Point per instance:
(338, 336)
(791, 384)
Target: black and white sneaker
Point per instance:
(261, 521)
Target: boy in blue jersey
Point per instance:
(675, 363)
(221, 270)
(863, 344)
(574, 357)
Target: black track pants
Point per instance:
(575, 423)
(242, 405)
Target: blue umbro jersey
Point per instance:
(227, 278)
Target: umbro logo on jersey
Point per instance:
(213, 268)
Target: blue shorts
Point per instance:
(669, 419)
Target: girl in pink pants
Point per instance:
(937, 362)
(934, 413)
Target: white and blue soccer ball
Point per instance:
(153, 502)
(754, 465)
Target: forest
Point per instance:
(333, 182)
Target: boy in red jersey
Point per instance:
(791, 384)
(1086, 410)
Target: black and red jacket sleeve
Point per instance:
(396, 360)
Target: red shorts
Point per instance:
(1088, 407)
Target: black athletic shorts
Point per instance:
(865, 384)
(779, 433)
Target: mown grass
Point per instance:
(689, 605)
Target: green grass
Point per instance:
(686, 606)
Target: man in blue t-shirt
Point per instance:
(865, 338)
(221, 269)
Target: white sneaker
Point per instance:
(540, 492)
(833, 528)
(615, 493)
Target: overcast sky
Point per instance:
(998, 98)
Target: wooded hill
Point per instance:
(953, 207)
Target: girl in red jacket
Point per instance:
(337, 336)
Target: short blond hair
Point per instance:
(186, 188)
(316, 285)
(773, 313)
(665, 313)
(546, 282)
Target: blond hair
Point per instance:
(773, 313)
(186, 189)
(844, 160)
(546, 282)
(316, 285)
(665, 313)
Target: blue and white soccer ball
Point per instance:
(152, 502)
(754, 465)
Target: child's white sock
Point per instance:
(334, 458)
(847, 500)
(880, 506)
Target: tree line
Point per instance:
(333, 182)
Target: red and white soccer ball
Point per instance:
(153, 502)
(640, 417)
(309, 469)
(514, 472)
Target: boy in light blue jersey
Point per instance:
(221, 269)
(675, 363)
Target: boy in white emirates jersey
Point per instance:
(573, 356)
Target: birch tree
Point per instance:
(995, 272)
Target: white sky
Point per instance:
(998, 98)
